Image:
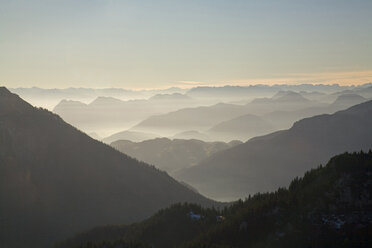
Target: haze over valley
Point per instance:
(185, 124)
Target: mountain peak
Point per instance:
(106, 100)
(352, 99)
(4, 91)
(288, 96)
(11, 102)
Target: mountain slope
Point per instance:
(56, 180)
(242, 127)
(266, 162)
(189, 119)
(170, 155)
(347, 100)
(328, 207)
(204, 118)
(129, 135)
(110, 114)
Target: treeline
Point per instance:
(329, 206)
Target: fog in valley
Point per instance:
(185, 124)
(234, 112)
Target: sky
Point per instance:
(164, 43)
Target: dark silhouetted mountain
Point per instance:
(170, 155)
(328, 207)
(95, 136)
(242, 127)
(264, 163)
(130, 135)
(56, 180)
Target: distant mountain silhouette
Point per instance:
(264, 163)
(170, 97)
(282, 100)
(192, 134)
(129, 135)
(107, 113)
(347, 100)
(189, 119)
(171, 155)
(56, 180)
(204, 118)
(49, 98)
(242, 127)
(289, 96)
(285, 119)
(230, 92)
(329, 206)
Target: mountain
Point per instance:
(170, 97)
(285, 119)
(107, 114)
(242, 127)
(312, 95)
(189, 119)
(170, 155)
(192, 134)
(203, 118)
(347, 100)
(282, 101)
(129, 135)
(267, 162)
(104, 114)
(56, 180)
(49, 98)
(229, 92)
(328, 207)
(289, 96)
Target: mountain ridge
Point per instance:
(56, 180)
(310, 140)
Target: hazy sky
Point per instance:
(152, 44)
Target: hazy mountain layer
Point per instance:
(243, 127)
(107, 114)
(171, 155)
(203, 118)
(267, 162)
(129, 135)
(56, 180)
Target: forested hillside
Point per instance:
(329, 206)
(56, 180)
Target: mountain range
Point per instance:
(171, 155)
(242, 127)
(195, 118)
(329, 206)
(56, 180)
(105, 114)
(270, 161)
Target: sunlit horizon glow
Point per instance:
(161, 44)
